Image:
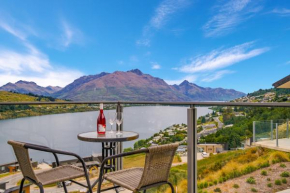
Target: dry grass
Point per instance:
(139, 161)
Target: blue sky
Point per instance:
(239, 44)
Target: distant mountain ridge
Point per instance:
(26, 87)
(132, 85)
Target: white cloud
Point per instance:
(281, 11)
(189, 78)
(161, 16)
(31, 64)
(230, 15)
(11, 61)
(12, 30)
(165, 10)
(222, 58)
(120, 62)
(70, 34)
(155, 66)
(217, 75)
(134, 59)
(143, 42)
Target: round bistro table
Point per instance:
(108, 141)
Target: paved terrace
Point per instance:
(283, 144)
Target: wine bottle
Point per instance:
(101, 122)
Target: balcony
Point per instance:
(223, 166)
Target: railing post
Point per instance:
(271, 129)
(254, 131)
(277, 132)
(191, 150)
(287, 128)
(119, 145)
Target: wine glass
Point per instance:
(119, 120)
(112, 119)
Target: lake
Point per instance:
(60, 131)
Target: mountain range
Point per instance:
(132, 85)
(26, 87)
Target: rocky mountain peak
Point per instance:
(136, 71)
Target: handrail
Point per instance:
(194, 103)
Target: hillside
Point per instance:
(17, 111)
(26, 87)
(134, 85)
(266, 95)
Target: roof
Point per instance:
(283, 83)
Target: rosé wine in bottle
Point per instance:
(101, 122)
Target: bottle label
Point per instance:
(102, 128)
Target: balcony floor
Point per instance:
(283, 144)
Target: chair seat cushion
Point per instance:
(128, 178)
(59, 174)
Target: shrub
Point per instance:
(236, 186)
(279, 156)
(268, 179)
(251, 180)
(282, 165)
(200, 185)
(278, 182)
(210, 184)
(284, 181)
(217, 190)
(253, 190)
(265, 164)
(205, 184)
(269, 185)
(264, 173)
(285, 174)
(249, 169)
(215, 182)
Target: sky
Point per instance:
(237, 44)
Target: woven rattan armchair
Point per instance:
(155, 172)
(58, 174)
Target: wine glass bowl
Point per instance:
(112, 120)
(119, 121)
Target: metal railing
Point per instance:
(269, 130)
(191, 123)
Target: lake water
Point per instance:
(60, 131)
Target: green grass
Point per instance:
(278, 182)
(264, 173)
(17, 111)
(251, 180)
(254, 190)
(285, 174)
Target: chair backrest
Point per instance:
(22, 156)
(157, 164)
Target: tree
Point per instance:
(203, 119)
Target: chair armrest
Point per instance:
(54, 152)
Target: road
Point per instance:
(220, 124)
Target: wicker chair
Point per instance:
(155, 172)
(58, 174)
